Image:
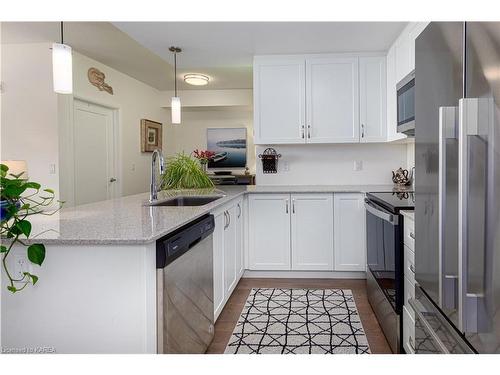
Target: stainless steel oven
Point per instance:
(406, 105)
(385, 252)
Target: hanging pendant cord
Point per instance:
(175, 73)
(62, 33)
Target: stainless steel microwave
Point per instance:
(406, 105)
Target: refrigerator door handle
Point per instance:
(475, 115)
(448, 284)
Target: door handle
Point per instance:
(226, 224)
(112, 179)
(412, 268)
(447, 130)
(293, 205)
(309, 131)
(229, 218)
(412, 235)
(302, 130)
(239, 210)
(474, 121)
(286, 206)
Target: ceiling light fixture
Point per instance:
(62, 66)
(176, 101)
(196, 79)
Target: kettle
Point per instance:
(401, 177)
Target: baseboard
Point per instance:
(306, 274)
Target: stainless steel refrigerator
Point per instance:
(457, 208)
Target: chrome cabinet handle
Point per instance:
(228, 218)
(302, 130)
(293, 205)
(362, 130)
(225, 220)
(309, 131)
(412, 268)
(286, 206)
(239, 210)
(412, 235)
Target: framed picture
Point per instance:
(229, 145)
(151, 135)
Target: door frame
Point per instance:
(67, 143)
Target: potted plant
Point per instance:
(20, 199)
(184, 172)
(203, 156)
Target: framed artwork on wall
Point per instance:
(151, 135)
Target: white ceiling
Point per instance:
(222, 50)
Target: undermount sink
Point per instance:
(186, 201)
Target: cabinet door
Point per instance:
(218, 249)
(239, 227)
(230, 252)
(332, 94)
(372, 104)
(312, 232)
(269, 231)
(349, 232)
(403, 55)
(279, 101)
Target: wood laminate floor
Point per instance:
(231, 312)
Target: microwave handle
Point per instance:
(386, 216)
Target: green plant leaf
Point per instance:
(12, 288)
(32, 185)
(3, 249)
(3, 170)
(36, 253)
(24, 227)
(34, 278)
(49, 191)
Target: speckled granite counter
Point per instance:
(129, 221)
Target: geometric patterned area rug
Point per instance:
(298, 321)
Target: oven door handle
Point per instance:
(378, 212)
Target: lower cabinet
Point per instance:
(350, 232)
(290, 232)
(227, 252)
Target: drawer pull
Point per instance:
(411, 344)
(412, 235)
(412, 268)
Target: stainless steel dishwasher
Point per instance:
(184, 280)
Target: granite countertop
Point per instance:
(130, 221)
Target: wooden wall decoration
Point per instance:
(96, 78)
(151, 135)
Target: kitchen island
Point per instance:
(97, 287)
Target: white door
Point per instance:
(269, 231)
(94, 153)
(372, 102)
(218, 255)
(350, 232)
(239, 240)
(312, 232)
(230, 251)
(332, 95)
(279, 101)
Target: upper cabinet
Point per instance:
(332, 100)
(372, 99)
(279, 100)
(319, 99)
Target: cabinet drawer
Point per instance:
(409, 293)
(408, 331)
(409, 237)
(409, 264)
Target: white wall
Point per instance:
(334, 164)
(134, 101)
(192, 132)
(29, 128)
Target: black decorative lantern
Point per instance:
(270, 160)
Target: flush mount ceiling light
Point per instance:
(176, 101)
(62, 66)
(196, 79)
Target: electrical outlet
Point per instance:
(286, 166)
(52, 168)
(21, 265)
(358, 165)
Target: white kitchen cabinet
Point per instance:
(230, 250)
(413, 33)
(403, 46)
(218, 255)
(332, 97)
(239, 228)
(349, 232)
(312, 232)
(372, 102)
(279, 100)
(269, 231)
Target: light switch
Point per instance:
(52, 168)
(358, 165)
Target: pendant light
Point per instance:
(176, 101)
(62, 66)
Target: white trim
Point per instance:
(305, 274)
